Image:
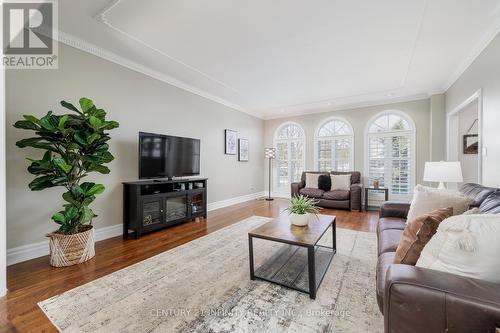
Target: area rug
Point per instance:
(204, 286)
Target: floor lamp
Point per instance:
(270, 154)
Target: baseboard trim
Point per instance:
(31, 251)
(285, 195)
(235, 200)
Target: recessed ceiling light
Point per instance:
(390, 94)
(329, 103)
(282, 110)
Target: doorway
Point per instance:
(464, 138)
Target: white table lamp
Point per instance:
(449, 172)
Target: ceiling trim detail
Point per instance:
(486, 39)
(97, 51)
(101, 16)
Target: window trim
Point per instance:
(317, 138)
(275, 164)
(413, 136)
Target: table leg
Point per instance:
(250, 252)
(312, 272)
(366, 199)
(334, 235)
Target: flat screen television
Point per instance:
(166, 156)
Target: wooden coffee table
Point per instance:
(301, 263)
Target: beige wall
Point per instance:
(139, 103)
(483, 73)
(418, 110)
(438, 128)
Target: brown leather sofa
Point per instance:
(415, 299)
(337, 199)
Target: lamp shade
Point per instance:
(450, 172)
(270, 152)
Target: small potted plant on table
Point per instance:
(300, 210)
(75, 145)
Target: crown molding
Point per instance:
(351, 106)
(486, 39)
(100, 52)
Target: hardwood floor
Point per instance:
(33, 281)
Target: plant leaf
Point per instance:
(59, 218)
(77, 192)
(99, 168)
(26, 124)
(62, 121)
(95, 122)
(96, 189)
(93, 137)
(86, 104)
(70, 213)
(80, 139)
(62, 165)
(33, 119)
(70, 106)
(68, 197)
(86, 186)
(42, 183)
(109, 125)
(49, 122)
(86, 215)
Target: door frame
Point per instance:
(3, 207)
(475, 97)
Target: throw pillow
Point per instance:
(417, 234)
(466, 245)
(312, 180)
(341, 182)
(491, 205)
(324, 183)
(425, 201)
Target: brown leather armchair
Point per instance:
(338, 199)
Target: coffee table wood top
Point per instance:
(281, 230)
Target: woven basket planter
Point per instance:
(68, 250)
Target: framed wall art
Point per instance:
(230, 142)
(243, 150)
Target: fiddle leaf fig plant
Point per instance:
(75, 145)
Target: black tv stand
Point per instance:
(159, 203)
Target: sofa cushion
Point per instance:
(312, 192)
(341, 182)
(324, 182)
(388, 240)
(491, 205)
(426, 200)
(476, 192)
(303, 177)
(417, 234)
(355, 175)
(312, 180)
(465, 245)
(384, 261)
(336, 195)
(386, 223)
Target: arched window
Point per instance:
(289, 141)
(391, 152)
(334, 148)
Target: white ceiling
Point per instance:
(282, 57)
